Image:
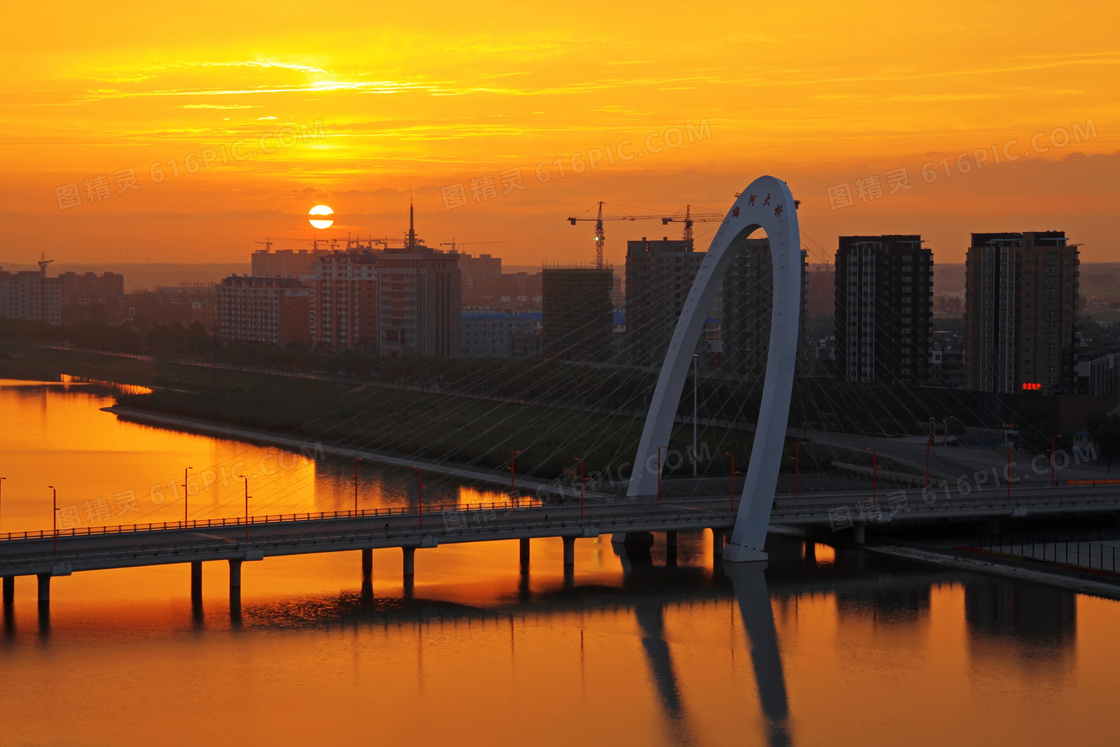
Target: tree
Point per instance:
(1104, 430)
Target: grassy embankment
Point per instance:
(425, 425)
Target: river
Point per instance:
(626, 650)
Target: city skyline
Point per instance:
(987, 140)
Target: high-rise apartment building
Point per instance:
(285, 263)
(659, 275)
(344, 301)
(1021, 304)
(577, 322)
(884, 306)
(30, 295)
(748, 300)
(262, 310)
(420, 303)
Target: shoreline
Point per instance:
(305, 446)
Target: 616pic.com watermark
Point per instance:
(870, 187)
(97, 187)
(484, 187)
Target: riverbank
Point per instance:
(527, 486)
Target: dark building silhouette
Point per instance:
(659, 275)
(577, 321)
(748, 303)
(884, 308)
(1021, 296)
(90, 297)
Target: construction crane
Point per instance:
(600, 238)
(452, 243)
(690, 218)
(43, 262)
(267, 244)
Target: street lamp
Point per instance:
(581, 481)
(420, 487)
(728, 453)
(1053, 448)
(695, 414)
(246, 479)
(874, 475)
(2, 479)
(186, 494)
(659, 448)
(356, 460)
(54, 515)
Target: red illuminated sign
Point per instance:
(1031, 387)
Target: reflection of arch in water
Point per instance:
(766, 204)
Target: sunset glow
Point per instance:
(232, 127)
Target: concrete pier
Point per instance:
(718, 537)
(859, 534)
(44, 588)
(235, 577)
(9, 589)
(367, 563)
(671, 547)
(409, 562)
(569, 551)
(524, 542)
(196, 580)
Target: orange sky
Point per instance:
(393, 97)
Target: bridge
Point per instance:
(45, 554)
(745, 515)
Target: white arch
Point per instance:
(767, 204)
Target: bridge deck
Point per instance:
(31, 553)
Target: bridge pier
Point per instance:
(671, 547)
(718, 537)
(859, 533)
(409, 562)
(569, 551)
(367, 563)
(44, 588)
(524, 547)
(9, 589)
(235, 577)
(196, 580)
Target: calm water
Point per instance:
(627, 651)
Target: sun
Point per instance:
(326, 221)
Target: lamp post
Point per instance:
(797, 469)
(246, 479)
(695, 413)
(927, 463)
(728, 453)
(1053, 448)
(874, 475)
(2, 479)
(186, 494)
(581, 481)
(512, 466)
(420, 488)
(54, 515)
(659, 448)
(1008, 471)
(356, 460)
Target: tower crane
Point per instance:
(43, 262)
(600, 238)
(690, 218)
(453, 244)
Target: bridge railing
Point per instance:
(371, 513)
